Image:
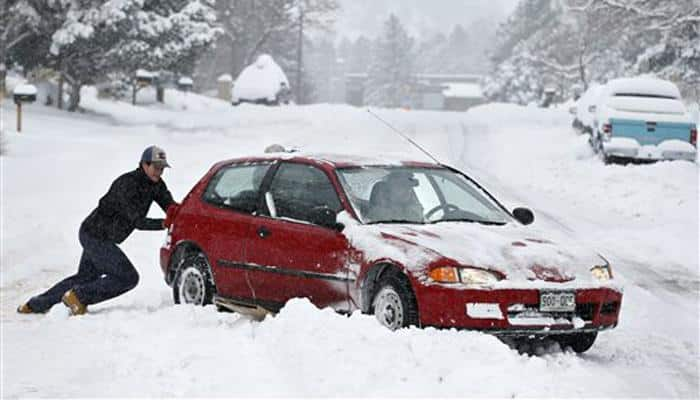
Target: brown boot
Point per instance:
(25, 309)
(71, 300)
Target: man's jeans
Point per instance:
(104, 272)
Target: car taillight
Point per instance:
(607, 129)
(694, 137)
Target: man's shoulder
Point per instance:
(126, 177)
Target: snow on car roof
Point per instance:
(338, 160)
(642, 86)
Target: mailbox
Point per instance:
(24, 94)
(184, 83)
(144, 78)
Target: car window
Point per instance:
(390, 194)
(454, 193)
(237, 187)
(299, 188)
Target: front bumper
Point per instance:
(515, 311)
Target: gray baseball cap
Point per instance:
(155, 155)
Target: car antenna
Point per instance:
(403, 136)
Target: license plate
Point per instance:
(557, 301)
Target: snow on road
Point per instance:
(644, 219)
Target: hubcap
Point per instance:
(192, 286)
(388, 308)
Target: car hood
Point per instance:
(520, 254)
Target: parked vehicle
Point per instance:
(643, 119)
(413, 243)
(585, 109)
(263, 82)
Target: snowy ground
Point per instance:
(643, 218)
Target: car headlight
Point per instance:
(602, 272)
(469, 276)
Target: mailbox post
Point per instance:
(23, 94)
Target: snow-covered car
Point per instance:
(413, 243)
(643, 119)
(586, 107)
(263, 82)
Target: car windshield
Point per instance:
(417, 195)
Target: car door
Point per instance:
(292, 257)
(230, 204)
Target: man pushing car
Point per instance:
(104, 271)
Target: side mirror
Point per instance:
(524, 215)
(324, 216)
(592, 109)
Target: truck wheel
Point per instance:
(394, 304)
(193, 283)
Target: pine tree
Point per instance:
(583, 41)
(389, 81)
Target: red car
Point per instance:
(413, 243)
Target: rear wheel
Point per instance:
(394, 303)
(578, 342)
(193, 283)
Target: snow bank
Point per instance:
(644, 219)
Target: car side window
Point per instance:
(237, 187)
(298, 189)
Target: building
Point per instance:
(454, 92)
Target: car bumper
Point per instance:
(165, 253)
(515, 311)
(631, 149)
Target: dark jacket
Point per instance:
(125, 206)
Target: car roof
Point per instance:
(334, 160)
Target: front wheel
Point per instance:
(395, 304)
(193, 283)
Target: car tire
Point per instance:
(193, 282)
(578, 342)
(394, 303)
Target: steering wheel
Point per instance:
(447, 208)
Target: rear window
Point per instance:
(645, 104)
(237, 187)
(654, 96)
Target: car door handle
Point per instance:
(263, 232)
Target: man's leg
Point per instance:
(44, 301)
(116, 274)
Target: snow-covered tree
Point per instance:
(85, 40)
(252, 27)
(581, 41)
(358, 56)
(389, 80)
(100, 37)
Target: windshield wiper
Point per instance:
(478, 221)
(395, 221)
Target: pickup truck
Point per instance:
(642, 119)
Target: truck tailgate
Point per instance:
(650, 132)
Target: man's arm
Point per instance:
(150, 224)
(164, 199)
(163, 196)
